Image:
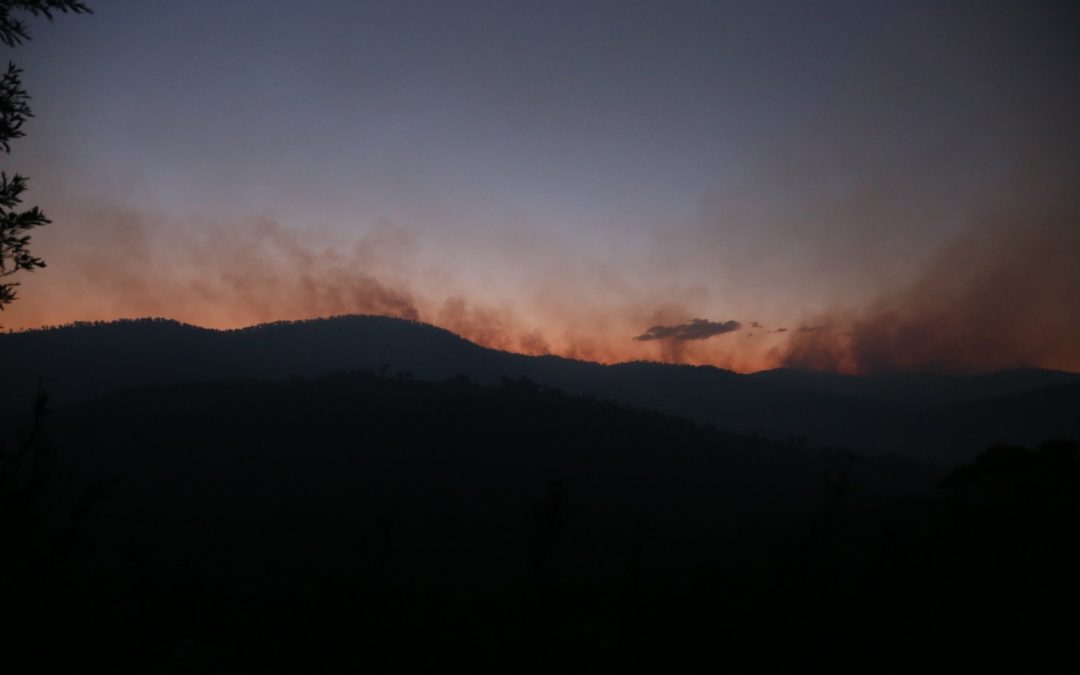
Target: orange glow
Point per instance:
(981, 305)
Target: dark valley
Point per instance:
(363, 494)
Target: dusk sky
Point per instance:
(859, 186)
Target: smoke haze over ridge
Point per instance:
(902, 178)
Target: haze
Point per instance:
(859, 187)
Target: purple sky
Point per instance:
(564, 176)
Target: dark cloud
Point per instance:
(696, 329)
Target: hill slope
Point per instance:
(931, 417)
(358, 523)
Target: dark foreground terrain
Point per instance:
(359, 522)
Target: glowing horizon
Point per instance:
(879, 188)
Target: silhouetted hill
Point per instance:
(904, 414)
(359, 523)
(240, 457)
(85, 360)
(925, 389)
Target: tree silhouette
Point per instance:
(15, 225)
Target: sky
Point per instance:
(851, 186)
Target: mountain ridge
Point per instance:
(902, 413)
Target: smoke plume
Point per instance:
(1005, 295)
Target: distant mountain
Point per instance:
(925, 389)
(85, 360)
(930, 417)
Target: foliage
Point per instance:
(15, 225)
